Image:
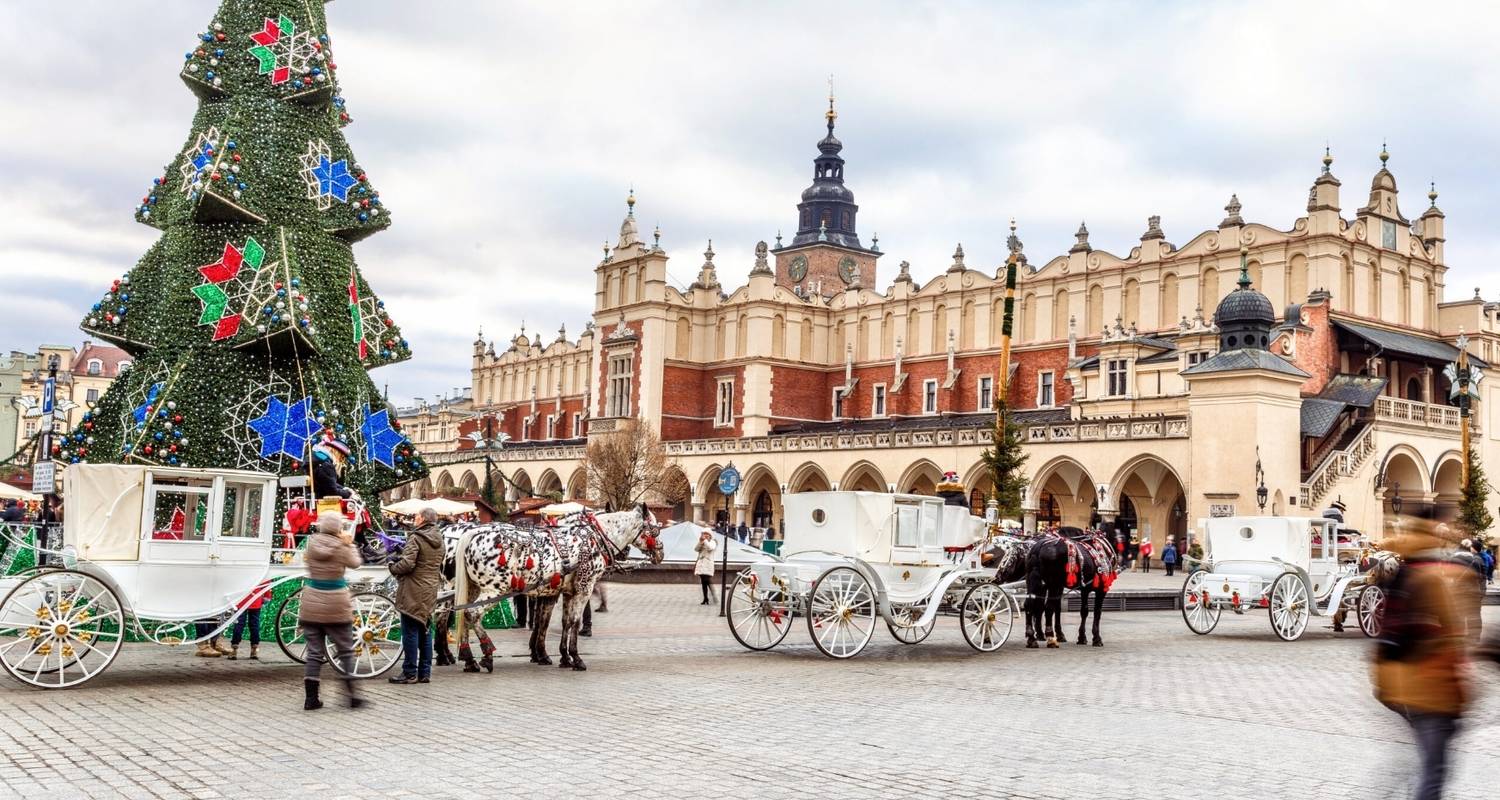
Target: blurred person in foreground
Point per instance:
(326, 615)
(1420, 667)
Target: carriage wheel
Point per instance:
(1371, 606)
(841, 613)
(1289, 606)
(758, 618)
(1200, 613)
(60, 628)
(288, 630)
(377, 635)
(986, 616)
(903, 622)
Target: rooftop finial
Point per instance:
(778, 238)
(875, 242)
(1244, 267)
(823, 231)
(1384, 156)
(1082, 245)
(831, 115)
(656, 237)
(606, 250)
(1432, 194)
(1327, 159)
(630, 202)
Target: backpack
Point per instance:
(1403, 628)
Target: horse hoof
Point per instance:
(1031, 644)
(579, 667)
(1098, 642)
(471, 667)
(1051, 644)
(544, 661)
(488, 664)
(564, 663)
(1083, 641)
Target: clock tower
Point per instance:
(826, 256)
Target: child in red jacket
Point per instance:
(251, 606)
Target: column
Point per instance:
(699, 513)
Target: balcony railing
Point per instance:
(1422, 415)
(1153, 427)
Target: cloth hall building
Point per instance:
(1155, 388)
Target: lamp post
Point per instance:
(1260, 483)
(729, 483)
(49, 425)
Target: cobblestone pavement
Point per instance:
(672, 707)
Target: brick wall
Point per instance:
(601, 387)
(1317, 351)
(1022, 390)
(689, 399)
(799, 394)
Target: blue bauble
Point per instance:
(363, 216)
(218, 53)
(98, 306)
(209, 74)
(231, 144)
(157, 436)
(121, 309)
(187, 56)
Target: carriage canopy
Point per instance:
(1262, 538)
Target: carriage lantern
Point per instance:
(1396, 498)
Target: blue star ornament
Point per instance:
(334, 178)
(381, 440)
(285, 428)
(140, 412)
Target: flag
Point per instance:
(354, 316)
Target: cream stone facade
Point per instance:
(1136, 408)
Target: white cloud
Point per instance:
(504, 135)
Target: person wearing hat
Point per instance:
(486, 512)
(329, 457)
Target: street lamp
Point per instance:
(1396, 498)
(1260, 482)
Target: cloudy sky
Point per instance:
(504, 136)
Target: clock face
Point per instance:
(848, 270)
(798, 269)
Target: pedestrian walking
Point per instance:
(326, 615)
(1146, 549)
(1169, 556)
(704, 566)
(742, 532)
(1420, 668)
(250, 607)
(418, 578)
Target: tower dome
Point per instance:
(1245, 316)
(827, 212)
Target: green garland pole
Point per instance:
(1004, 457)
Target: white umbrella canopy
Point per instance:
(8, 492)
(406, 507)
(562, 509)
(442, 505)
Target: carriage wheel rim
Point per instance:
(59, 629)
(1201, 616)
(375, 651)
(1289, 611)
(836, 633)
(987, 617)
(752, 619)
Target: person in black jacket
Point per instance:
(329, 456)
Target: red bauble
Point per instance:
(172, 449)
(296, 465)
(176, 417)
(221, 37)
(148, 450)
(88, 426)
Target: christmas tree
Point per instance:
(1473, 509)
(251, 326)
(1005, 459)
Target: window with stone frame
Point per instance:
(929, 396)
(578, 425)
(1118, 372)
(1197, 357)
(1046, 389)
(621, 378)
(838, 402)
(724, 406)
(551, 426)
(986, 393)
(877, 401)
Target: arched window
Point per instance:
(1027, 321)
(778, 336)
(1296, 284)
(888, 336)
(1208, 291)
(1060, 312)
(95, 366)
(684, 338)
(1096, 311)
(1346, 299)
(966, 326)
(1413, 388)
(1132, 303)
(805, 347)
(1169, 314)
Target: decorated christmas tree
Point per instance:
(252, 329)
(1005, 459)
(1473, 509)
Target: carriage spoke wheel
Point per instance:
(1289, 606)
(841, 614)
(377, 635)
(986, 616)
(903, 622)
(759, 616)
(59, 629)
(1200, 613)
(288, 630)
(1371, 607)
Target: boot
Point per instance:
(355, 701)
(206, 650)
(312, 703)
(223, 649)
(254, 652)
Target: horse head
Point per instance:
(635, 527)
(1008, 555)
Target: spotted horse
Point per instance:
(559, 561)
(444, 615)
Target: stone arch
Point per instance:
(808, 478)
(922, 477)
(1028, 317)
(1167, 311)
(1060, 312)
(1153, 489)
(888, 335)
(549, 483)
(977, 487)
(469, 483)
(1406, 475)
(522, 483)
(805, 347)
(1208, 290)
(862, 477)
(1063, 485)
(424, 489)
(444, 482)
(1131, 304)
(966, 326)
(684, 338)
(578, 484)
(778, 336)
(762, 497)
(677, 483)
(1095, 303)
(939, 329)
(1296, 291)
(1447, 483)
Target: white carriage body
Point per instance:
(1249, 553)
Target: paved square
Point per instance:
(672, 707)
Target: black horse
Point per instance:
(1069, 559)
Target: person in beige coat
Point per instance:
(419, 576)
(326, 614)
(703, 566)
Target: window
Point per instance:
(877, 402)
(92, 396)
(551, 426)
(1044, 394)
(929, 396)
(578, 425)
(1388, 234)
(907, 524)
(95, 366)
(838, 403)
(986, 393)
(1118, 370)
(724, 407)
(243, 503)
(122, 366)
(525, 429)
(1197, 357)
(621, 377)
(30, 429)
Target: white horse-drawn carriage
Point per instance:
(1295, 567)
(154, 552)
(850, 557)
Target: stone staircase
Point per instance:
(1342, 463)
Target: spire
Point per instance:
(1327, 160)
(656, 238)
(1384, 154)
(1233, 210)
(1082, 245)
(958, 260)
(827, 209)
(1014, 245)
(708, 277)
(1432, 194)
(628, 236)
(606, 251)
(831, 114)
(778, 238)
(630, 202)
(562, 332)
(875, 242)
(1244, 267)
